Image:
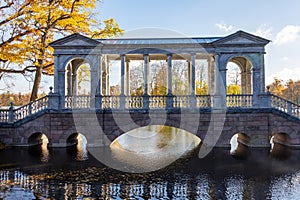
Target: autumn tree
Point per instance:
(277, 86)
(28, 26)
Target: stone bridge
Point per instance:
(148, 92)
(102, 126)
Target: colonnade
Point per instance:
(66, 66)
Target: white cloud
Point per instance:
(285, 58)
(285, 74)
(224, 27)
(264, 31)
(288, 34)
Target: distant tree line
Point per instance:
(18, 99)
(289, 90)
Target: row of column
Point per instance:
(191, 74)
(217, 74)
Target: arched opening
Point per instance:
(77, 146)
(78, 77)
(239, 76)
(280, 146)
(153, 147)
(38, 145)
(240, 146)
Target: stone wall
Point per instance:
(103, 127)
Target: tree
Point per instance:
(277, 87)
(233, 89)
(28, 26)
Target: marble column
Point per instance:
(122, 74)
(146, 79)
(122, 95)
(211, 76)
(170, 89)
(193, 81)
(69, 80)
(127, 91)
(189, 77)
(146, 74)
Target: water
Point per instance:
(24, 175)
(150, 148)
(152, 154)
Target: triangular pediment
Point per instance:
(75, 40)
(241, 38)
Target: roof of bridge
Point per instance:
(194, 40)
(238, 38)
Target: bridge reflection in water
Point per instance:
(153, 147)
(218, 176)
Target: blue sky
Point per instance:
(276, 20)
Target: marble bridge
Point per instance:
(103, 112)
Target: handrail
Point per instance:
(285, 105)
(239, 100)
(12, 115)
(31, 108)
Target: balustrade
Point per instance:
(203, 101)
(4, 115)
(236, 101)
(110, 102)
(157, 102)
(75, 102)
(181, 101)
(136, 102)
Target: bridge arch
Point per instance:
(240, 145)
(77, 146)
(76, 138)
(37, 138)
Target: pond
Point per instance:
(73, 173)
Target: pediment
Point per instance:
(75, 40)
(241, 38)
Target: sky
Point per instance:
(276, 20)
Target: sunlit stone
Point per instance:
(280, 146)
(44, 149)
(240, 146)
(153, 147)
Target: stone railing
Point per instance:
(51, 101)
(285, 105)
(32, 108)
(181, 101)
(134, 102)
(110, 102)
(203, 101)
(75, 102)
(5, 115)
(157, 102)
(239, 101)
(12, 115)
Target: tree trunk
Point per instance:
(36, 84)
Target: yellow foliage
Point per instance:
(233, 89)
(28, 26)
